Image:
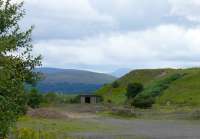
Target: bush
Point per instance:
(147, 98)
(51, 98)
(133, 89)
(75, 99)
(143, 101)
(115, 84)
(34, 99)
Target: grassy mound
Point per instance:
(162, 87)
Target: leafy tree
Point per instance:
(34, 98)
(133, 89)
(16, 64)
(147, 98)
(115, 84)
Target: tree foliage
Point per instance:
(147, 98)
(133, 89)
(34, 98)
(16, 64)
(115, 84)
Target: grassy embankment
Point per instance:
(184, 91)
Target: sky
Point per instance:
(106, 35)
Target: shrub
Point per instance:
(75, 99)
(34, 98)
(147, 97)
(51, 98)
(143, 101)
(133, 89)
(115, 84)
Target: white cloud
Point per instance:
(66, 18)
(106, 34)
(189, 9)
(162, 46)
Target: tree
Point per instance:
(115, 84)
(34, 98)
(133, 89)
(16, 64)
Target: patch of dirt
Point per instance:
(73, 115)
(51, 113)
(46, 113)
(162, 74)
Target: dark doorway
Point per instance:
(87, 100)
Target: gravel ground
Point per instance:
(145, 129)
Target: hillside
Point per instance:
(183, 90)
(71, 81)
(120, 72)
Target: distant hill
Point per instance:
(71, 80)
(120, 72)
(182, 87)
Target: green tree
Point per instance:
(115, 84)
(34, 98)
(133, 89)
(16, 64)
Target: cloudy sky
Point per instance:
(105, 35)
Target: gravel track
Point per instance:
(144, 129)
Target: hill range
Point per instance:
(71, 80)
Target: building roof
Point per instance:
(89, 95)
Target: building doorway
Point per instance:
(87, 100)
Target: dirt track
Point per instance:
(131, 129)
(145, 129)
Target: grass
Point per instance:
(146, 77)
(183, 92)
(38, 128)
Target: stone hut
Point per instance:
(90, 99)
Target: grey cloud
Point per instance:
(69, 19)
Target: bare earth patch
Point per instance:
(47, 113)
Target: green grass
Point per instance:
(182, 92)
(146, 77)
(53, 128)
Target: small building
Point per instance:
(90, 99)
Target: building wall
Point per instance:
(93, 100)
(82, 100)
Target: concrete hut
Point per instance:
(90, 99)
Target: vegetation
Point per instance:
(69, 81)
(183, 92)
(162, 87)
(34, 98)
(115, 84)
(39, 128)
(145, 77)
(16, 64)
(59, 99)
(133, 89)
(148, 96)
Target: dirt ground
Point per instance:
(128, 128)
(145, 129)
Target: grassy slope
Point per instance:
(185, 91)
(146, 77)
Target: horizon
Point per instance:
(105, 35)
(42, 67)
